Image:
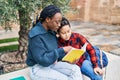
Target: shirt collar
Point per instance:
(38, 29)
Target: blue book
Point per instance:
(18, 78)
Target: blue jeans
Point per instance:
(87, 69)
(58, 71)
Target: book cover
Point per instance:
(18, 78)
(74, 54)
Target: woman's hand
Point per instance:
(67, 48)
(55, 62)
(97, 70)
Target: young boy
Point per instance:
(89, 67)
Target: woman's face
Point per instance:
(55, 22)
(65, 32)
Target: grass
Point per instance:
(9, 48)
(8, 40)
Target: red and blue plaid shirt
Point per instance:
(77, 41)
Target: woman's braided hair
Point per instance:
(48, 11)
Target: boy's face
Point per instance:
(65, 32)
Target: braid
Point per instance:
(36, 21)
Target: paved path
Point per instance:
(106, 37)
(8, 34)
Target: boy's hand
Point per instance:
(97, 70)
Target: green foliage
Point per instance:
(9, 8)
(7, 12)
(9, 48)
(62, 4)
(8, 40)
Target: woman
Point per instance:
(43, 51)
(89, 67)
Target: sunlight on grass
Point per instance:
(8, 40)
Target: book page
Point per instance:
(84, 47)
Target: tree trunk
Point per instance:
(25, 23)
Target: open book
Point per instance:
(74, 54)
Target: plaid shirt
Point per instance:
(77, 41)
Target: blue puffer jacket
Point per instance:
(42, 47)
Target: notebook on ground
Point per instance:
(18, 78)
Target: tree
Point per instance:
(23, 11)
